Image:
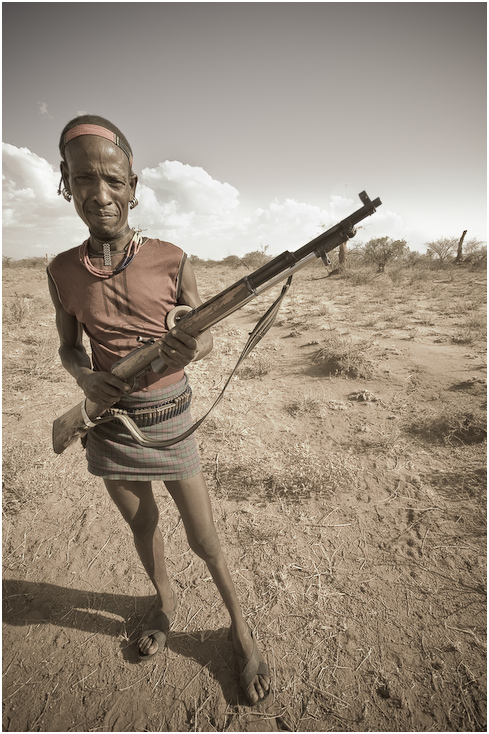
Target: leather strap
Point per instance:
(255, 336)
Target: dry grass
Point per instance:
(472, 329)
(449, 426)
(340, 355)
(306, 404)
(301, 472)
(358, 554)
(16, 309)
(258, 364)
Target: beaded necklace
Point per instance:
(132, 250)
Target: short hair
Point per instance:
(92, 120)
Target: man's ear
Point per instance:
(133, 182)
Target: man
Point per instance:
(115, 287)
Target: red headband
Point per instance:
(102, 132)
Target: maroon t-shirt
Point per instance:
(115, 311)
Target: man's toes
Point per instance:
(252, 693)
(148, 646)
(258, 689)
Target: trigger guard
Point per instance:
(175, 314)
(325, 258)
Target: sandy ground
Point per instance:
(349, 495)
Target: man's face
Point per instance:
(98, 174)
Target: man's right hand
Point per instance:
(103, 387)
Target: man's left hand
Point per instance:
(178, 349)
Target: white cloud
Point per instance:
(25, 170)
(177, 202)
(190, 188)
(36, 221)
(287, 224)
(341, 206)
(43, 110)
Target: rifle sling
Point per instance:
(264, 324)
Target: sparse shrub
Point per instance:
(256, 365)
(412, 258)
(304, 405)
(17, 309)
(341, 356)
(421, 270)
(232, 261)
(448, 426)
(35, 262)
(473, 328)
(357, 276)
(476, 254)
(397, 274)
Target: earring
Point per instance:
(133, 203)
(64, 191)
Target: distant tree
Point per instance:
(381, 250)
(195, 259)
(475, 252)
(256, 259)
(473, 245)
(442, 249)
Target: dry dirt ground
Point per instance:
(347, 472)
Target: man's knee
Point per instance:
(145, 521)
(206, 545)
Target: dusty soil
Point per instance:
(347, 472)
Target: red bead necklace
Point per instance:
(132, 250)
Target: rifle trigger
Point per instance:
(142, 340)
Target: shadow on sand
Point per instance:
(121, 616)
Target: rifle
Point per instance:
(75, 423)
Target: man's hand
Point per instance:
(178, 349)
(103, 387)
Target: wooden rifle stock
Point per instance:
(77, 421)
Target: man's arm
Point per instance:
(100, 387)
(179, 348)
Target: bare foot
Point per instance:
(154, 636)
(250, 660)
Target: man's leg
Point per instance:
(192, 499)
(137, 505)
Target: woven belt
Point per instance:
(153, 414)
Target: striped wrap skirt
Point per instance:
(113, 453)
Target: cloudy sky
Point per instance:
(253, 124)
